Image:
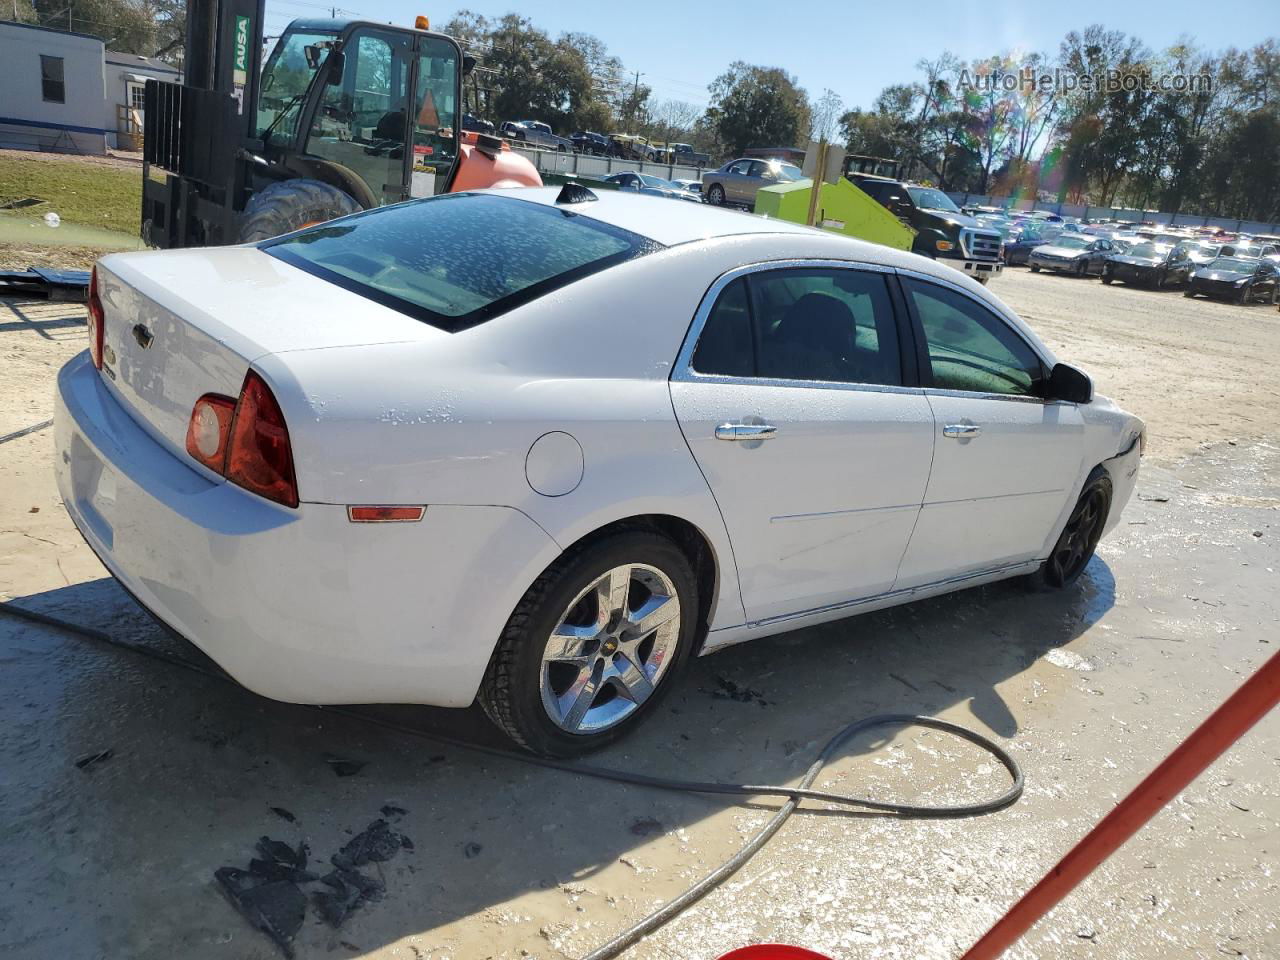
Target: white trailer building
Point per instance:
(65, 91)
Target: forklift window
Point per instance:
(436, 120)
(284, 83)
(361, 122)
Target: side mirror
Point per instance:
(334, 67)
(1070, 384)
(468, 64)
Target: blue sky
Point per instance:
(853, 48)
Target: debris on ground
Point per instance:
(91, 758)
(391, 810)
(471, 849)
(48, 282)
(269, 893)
(728, 690)
(343, 767)
(276, 907)
(377, 842)
(284, 814)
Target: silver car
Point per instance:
(738, 181)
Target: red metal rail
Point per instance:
(1249, 704)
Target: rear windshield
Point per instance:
(457, 260)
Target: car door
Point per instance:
(1101, 249)
(736, 186)
(791, 396)
(1006, 461)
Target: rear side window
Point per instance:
(457, 260)
(825, 325)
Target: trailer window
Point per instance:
(52, 87)
(458, 259)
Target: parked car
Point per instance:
(433, 496)
(1020, 242)
(942, 231)
(535, 134)
(738, 181)
(693, 186)
(655, 186)
(596, 144)
(1155, 265)
(1239, 279)
(685, 155)
(631, 147)
(476, 124)
(1080, 255)
(1201, 252)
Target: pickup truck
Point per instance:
(534, 133)
(942, 231)
(682, 153)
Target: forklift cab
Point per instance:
(374, 108)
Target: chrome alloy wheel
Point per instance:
(610, 649)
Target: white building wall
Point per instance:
(26, 118)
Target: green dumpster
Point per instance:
(842, 208)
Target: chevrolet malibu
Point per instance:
(539, 449)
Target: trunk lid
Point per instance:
(183, 323)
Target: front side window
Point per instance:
(969, 347)
(52, 86)
(824, 325)
(285, 80)
(458, 259)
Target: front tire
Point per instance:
(1189, 293)
(1035, 267)
(594, 645)
(291, 205)
(1107, 277)
(1079, 537)
(715, 196)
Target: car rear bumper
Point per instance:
(298, 605)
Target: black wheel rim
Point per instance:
(1079, 538)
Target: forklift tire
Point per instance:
(291, 205)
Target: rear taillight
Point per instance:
(95, 320)
(245, 440)
(209, 431)
(259, 457)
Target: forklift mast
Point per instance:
(198, 130)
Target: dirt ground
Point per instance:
(1088, 689)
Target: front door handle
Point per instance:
(745, 431)
(959, 431)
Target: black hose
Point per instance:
(667, 912)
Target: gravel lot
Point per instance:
(1089, 689)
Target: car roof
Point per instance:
(660, 220)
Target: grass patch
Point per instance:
(94, 194)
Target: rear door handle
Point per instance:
(745, 431)
(958, 431)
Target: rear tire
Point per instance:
(290, 205)
(536, 698)
(1079, 537)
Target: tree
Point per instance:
(825, 115)
(757, 106)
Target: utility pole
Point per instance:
(635, 93)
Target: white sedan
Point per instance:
(540, 448)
